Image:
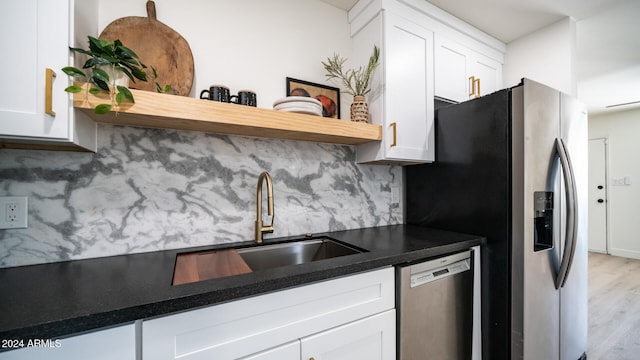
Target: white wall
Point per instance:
(621, 129)
(249, 44)
(547, 56)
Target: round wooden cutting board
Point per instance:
(157, 45)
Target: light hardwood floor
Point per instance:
(614, 308)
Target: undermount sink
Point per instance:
(292, 253)
(211, 264)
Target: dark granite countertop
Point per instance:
(60, 299)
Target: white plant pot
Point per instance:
(116, 77)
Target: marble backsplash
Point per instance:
(149, 189)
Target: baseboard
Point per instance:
(625, 253)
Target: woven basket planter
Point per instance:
(359, 109)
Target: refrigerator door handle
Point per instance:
(572, 214)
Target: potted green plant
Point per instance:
(107, 61)
(356, 81)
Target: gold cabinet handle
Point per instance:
(394, 143)
(472, 87)
(48, 92)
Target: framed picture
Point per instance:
(328, 96)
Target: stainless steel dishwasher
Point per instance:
(435, 309)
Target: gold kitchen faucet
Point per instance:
(260, 228)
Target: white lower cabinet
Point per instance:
(115, 343)
(373, 337)
(326, 320)
(370, 338)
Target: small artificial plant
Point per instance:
(357, 82)
(104, 53)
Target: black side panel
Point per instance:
(468, 190)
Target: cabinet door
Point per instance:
(488, 71)
(290, 351)
(408, 88)
(40, 32)
(455, 67)
(370, 338)
(116, 343)
(452, 65)
(34, 108)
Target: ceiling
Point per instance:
(608, 41)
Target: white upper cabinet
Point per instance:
(401, 100)
(34, 108)
(408, 85)
(462, 73)
(425, 53)
(487, 72)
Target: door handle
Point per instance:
(600, 187)
(394, 143)
(600, 201)
(571, 234)
(474, 87)
(48, 92)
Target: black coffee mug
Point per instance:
(245, 97)
(216, 93)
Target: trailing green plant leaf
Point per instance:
(119, 98)
(73, 89)
(100, 75)
(72, 71)
(99, 83)
(102, 109)
(140, 74)
(126, 93)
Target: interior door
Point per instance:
(597, 196)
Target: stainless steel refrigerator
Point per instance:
(512, 166)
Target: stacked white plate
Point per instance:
(299, 104)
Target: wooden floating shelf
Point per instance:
(154, 110)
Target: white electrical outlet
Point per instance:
(13, 212)
(395, 195)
